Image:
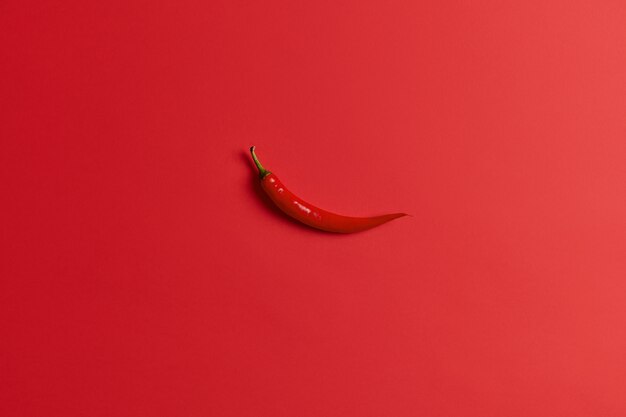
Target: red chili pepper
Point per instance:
(308, 213)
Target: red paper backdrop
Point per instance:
(143, 274)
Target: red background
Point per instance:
(144, 275)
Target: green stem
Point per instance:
(262, 171)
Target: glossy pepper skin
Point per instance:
(311, 215)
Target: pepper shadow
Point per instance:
(263, 199)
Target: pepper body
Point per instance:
(311, 215)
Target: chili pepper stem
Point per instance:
(262, 171)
